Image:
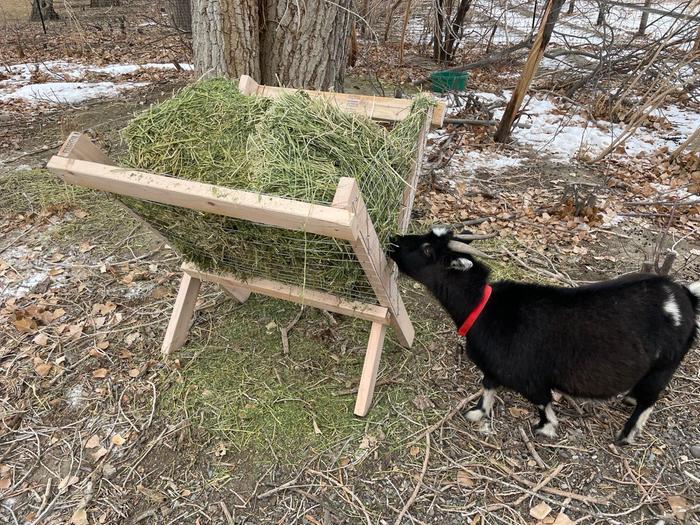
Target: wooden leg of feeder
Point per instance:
(239, 294)
(370, 369)
(180, 320)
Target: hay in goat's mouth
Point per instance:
(294, 147)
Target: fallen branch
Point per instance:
(470, 122)
(284, 330)
(532, 450)
(540, 485)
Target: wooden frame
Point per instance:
(81, 163)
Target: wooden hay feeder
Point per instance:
(81, 163)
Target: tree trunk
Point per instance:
(601, 15)
(550, 16)
(104, 3)
(46, 9)
(180, 14)
(454, 29)
(645, 19)
(571, 7)
(293, 44)
(438, 49)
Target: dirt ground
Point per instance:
(96, 427)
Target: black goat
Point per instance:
(624, 335)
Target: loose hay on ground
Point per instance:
(294, 147)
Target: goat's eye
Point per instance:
(427, 249)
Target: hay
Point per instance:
(294, 147)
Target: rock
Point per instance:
(695, 451)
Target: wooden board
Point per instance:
(296, 294)
(274, 211)
(377, 108)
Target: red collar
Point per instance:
(474, 315)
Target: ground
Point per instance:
(98, 428)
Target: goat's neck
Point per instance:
(460, 292)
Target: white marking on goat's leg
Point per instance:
(549, 429)
(672, 309)
(484, 406)
(638, 426)
(439, 231)
(462, 264)
(551, 416)
(629, 400)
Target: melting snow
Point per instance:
(69, 92)
(63, 81)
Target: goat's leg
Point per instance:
(485, 404)
(547, 425)
(645, 393)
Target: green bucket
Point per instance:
(444, 81)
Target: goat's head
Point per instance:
(423, 257)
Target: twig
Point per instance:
(419, 483)
(226, 512)
(531, 448)
(558, 492)
(541, 484)
(275, 490)
(286, 329)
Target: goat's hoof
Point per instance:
(475, 414)
(623, 440)
(548, 430)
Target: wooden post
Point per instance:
(179, 325)
(551, 13)
(365, 391)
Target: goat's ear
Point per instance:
(427, 250)
(462, 264)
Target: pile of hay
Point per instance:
(294, 147)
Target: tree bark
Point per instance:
(46, 9)
(645, 19)
(571, 7)
(601, 15)
(294, 44)
(180, 14)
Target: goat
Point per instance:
(628, 334)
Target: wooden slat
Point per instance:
(370, 368)
(296, 294)
(369, 253)
(273, 211)
(377, 108)
(179, 325)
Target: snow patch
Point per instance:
(69, 92)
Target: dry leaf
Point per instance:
(56, 257)
(5, 483)
(80, 214)
(93, 442)
(25, 325)
(540, 512)
(464, 479)
(125, 354)
(679, 506)
(79, 517)
(118, 440)
(42, 369)
(414, 451)
(132, 338)
(518, 412)
(134, 372)
(55, 271)
(563, 519)
(422, 402)
(67, 482)
(86, 247)
(103, 345)
(58, 313)
(41, 339)
(101, 452)
(100, 373)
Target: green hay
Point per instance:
(244, 391)
(294, 147)
(36, 191)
